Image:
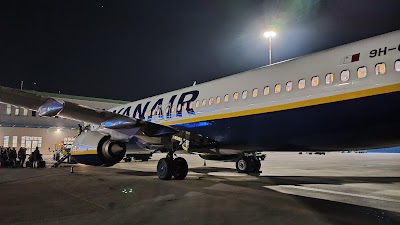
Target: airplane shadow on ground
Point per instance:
(279, 180)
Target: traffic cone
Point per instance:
(72, 169)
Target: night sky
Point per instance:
(130, 50)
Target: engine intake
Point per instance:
(94, 148)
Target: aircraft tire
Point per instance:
(180, 168)
(242, 165)
(165, 168)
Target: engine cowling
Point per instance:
(94, 148)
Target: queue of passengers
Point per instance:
(10, 158)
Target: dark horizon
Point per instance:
(132, 50)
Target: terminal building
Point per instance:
(20, 127)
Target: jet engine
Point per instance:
(94, 148)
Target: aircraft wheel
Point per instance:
(242, 165)
(180, 168)
(165, 168)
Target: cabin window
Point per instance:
(289, 86)
(266, 90)
(362, 72)
(380, 69)
(235, 96)
(179, 108)
(173, 109)
(218, 100)
(197, 103)
(397, 65)
(329, 78)
(226, 98)
(204, 102)
(302, 83)
(255, 92)
(184, 106)
(315, 81)
(278, 88)
(345, 75)
(210, 101)
(244, 95)
(16, 111)
(191, 105)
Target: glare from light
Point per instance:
(58, 129)
(270, 34)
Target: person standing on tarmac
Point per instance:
(22, 156)
(36, 157)
(13, 156)
(80, 129)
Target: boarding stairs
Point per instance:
(55, 165)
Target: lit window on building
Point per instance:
(329, 78)
(266, 90)
(25, 112)
(397, 65)
(5, 141)
(23, 141)
(289, 86)
(278, 88)
(218, 100)
(244, 95)
(210, 101)
(235, 96)
(345, 75)
(226, 98)
(8, 110)
(315, 81)
(15, 141)
(255, 92)
(302, 83)
(380, 69)
(362, 72)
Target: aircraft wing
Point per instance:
(50, 107)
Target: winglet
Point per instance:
(51, 108)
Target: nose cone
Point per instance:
(116, 149)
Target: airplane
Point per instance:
(340, 99)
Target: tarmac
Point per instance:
(337, 188)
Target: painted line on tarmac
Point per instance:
(291, 189)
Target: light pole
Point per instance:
(270, 35)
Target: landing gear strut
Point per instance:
(248, 164)
(168, 167)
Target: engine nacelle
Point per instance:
(94, 148)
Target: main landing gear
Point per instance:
(170, 166)
(248, 164)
